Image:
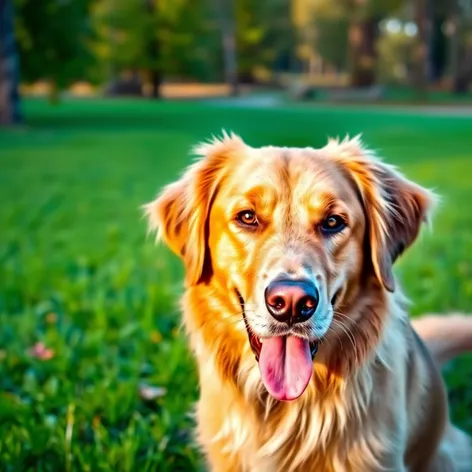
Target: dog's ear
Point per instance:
(179, 214)
(395, 206)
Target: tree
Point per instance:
(438, 46)
(9, 74)
(126, 39)
(445, 21)
(52, 37)
(189, 39)
(460, 51)
(155, 71)
(227, 22)
(363, 18)
(395, 54)
(153, 39)
(455, 45)
(264, 36)
(332, 41)
(363, 34)
(421, 55)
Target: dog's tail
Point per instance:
(445, 336)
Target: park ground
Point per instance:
(94, 368)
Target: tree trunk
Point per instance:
(156, 84)
(464, 76)
(153, 51)
(454, 43)
(53, 95)
(362, 40)
(9, 70)
(437, 57)
(228, 35)
(457, 52)
(422, 47)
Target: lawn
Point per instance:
(113, 387)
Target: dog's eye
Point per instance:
(333, 224)
(247, 217)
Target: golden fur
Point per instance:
(376, 401)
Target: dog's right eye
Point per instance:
(333, 224)
(247, 218)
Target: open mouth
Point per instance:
(256, 342)
(285, 361)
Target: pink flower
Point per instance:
(40, 351)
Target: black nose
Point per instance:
(291, 301)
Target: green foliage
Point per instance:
(78, 273)
(395, 58)
(332, 20)
(52, 39)
(173, 37)
(190, 39)
(97, 40)
(332, 40)
(67, 40)
(129, 26)
(264, 34)
(361, 10)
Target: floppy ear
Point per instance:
(395, 206)
(179, 214)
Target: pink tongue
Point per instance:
(286, 366)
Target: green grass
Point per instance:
(78, 273)
(436, 97)
(399, 95)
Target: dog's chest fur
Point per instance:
(248, 431)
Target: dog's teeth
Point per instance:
(260, 340)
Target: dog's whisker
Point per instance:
(348, 333)
(348, 318)
(353, 325)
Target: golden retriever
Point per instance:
(306, 357)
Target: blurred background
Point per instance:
(379, 49)
(100, 103)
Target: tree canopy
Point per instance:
(67, 40)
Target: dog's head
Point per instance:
(292, 235)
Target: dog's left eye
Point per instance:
(247, 217)
(333, 224)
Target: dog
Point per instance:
(306, 357)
